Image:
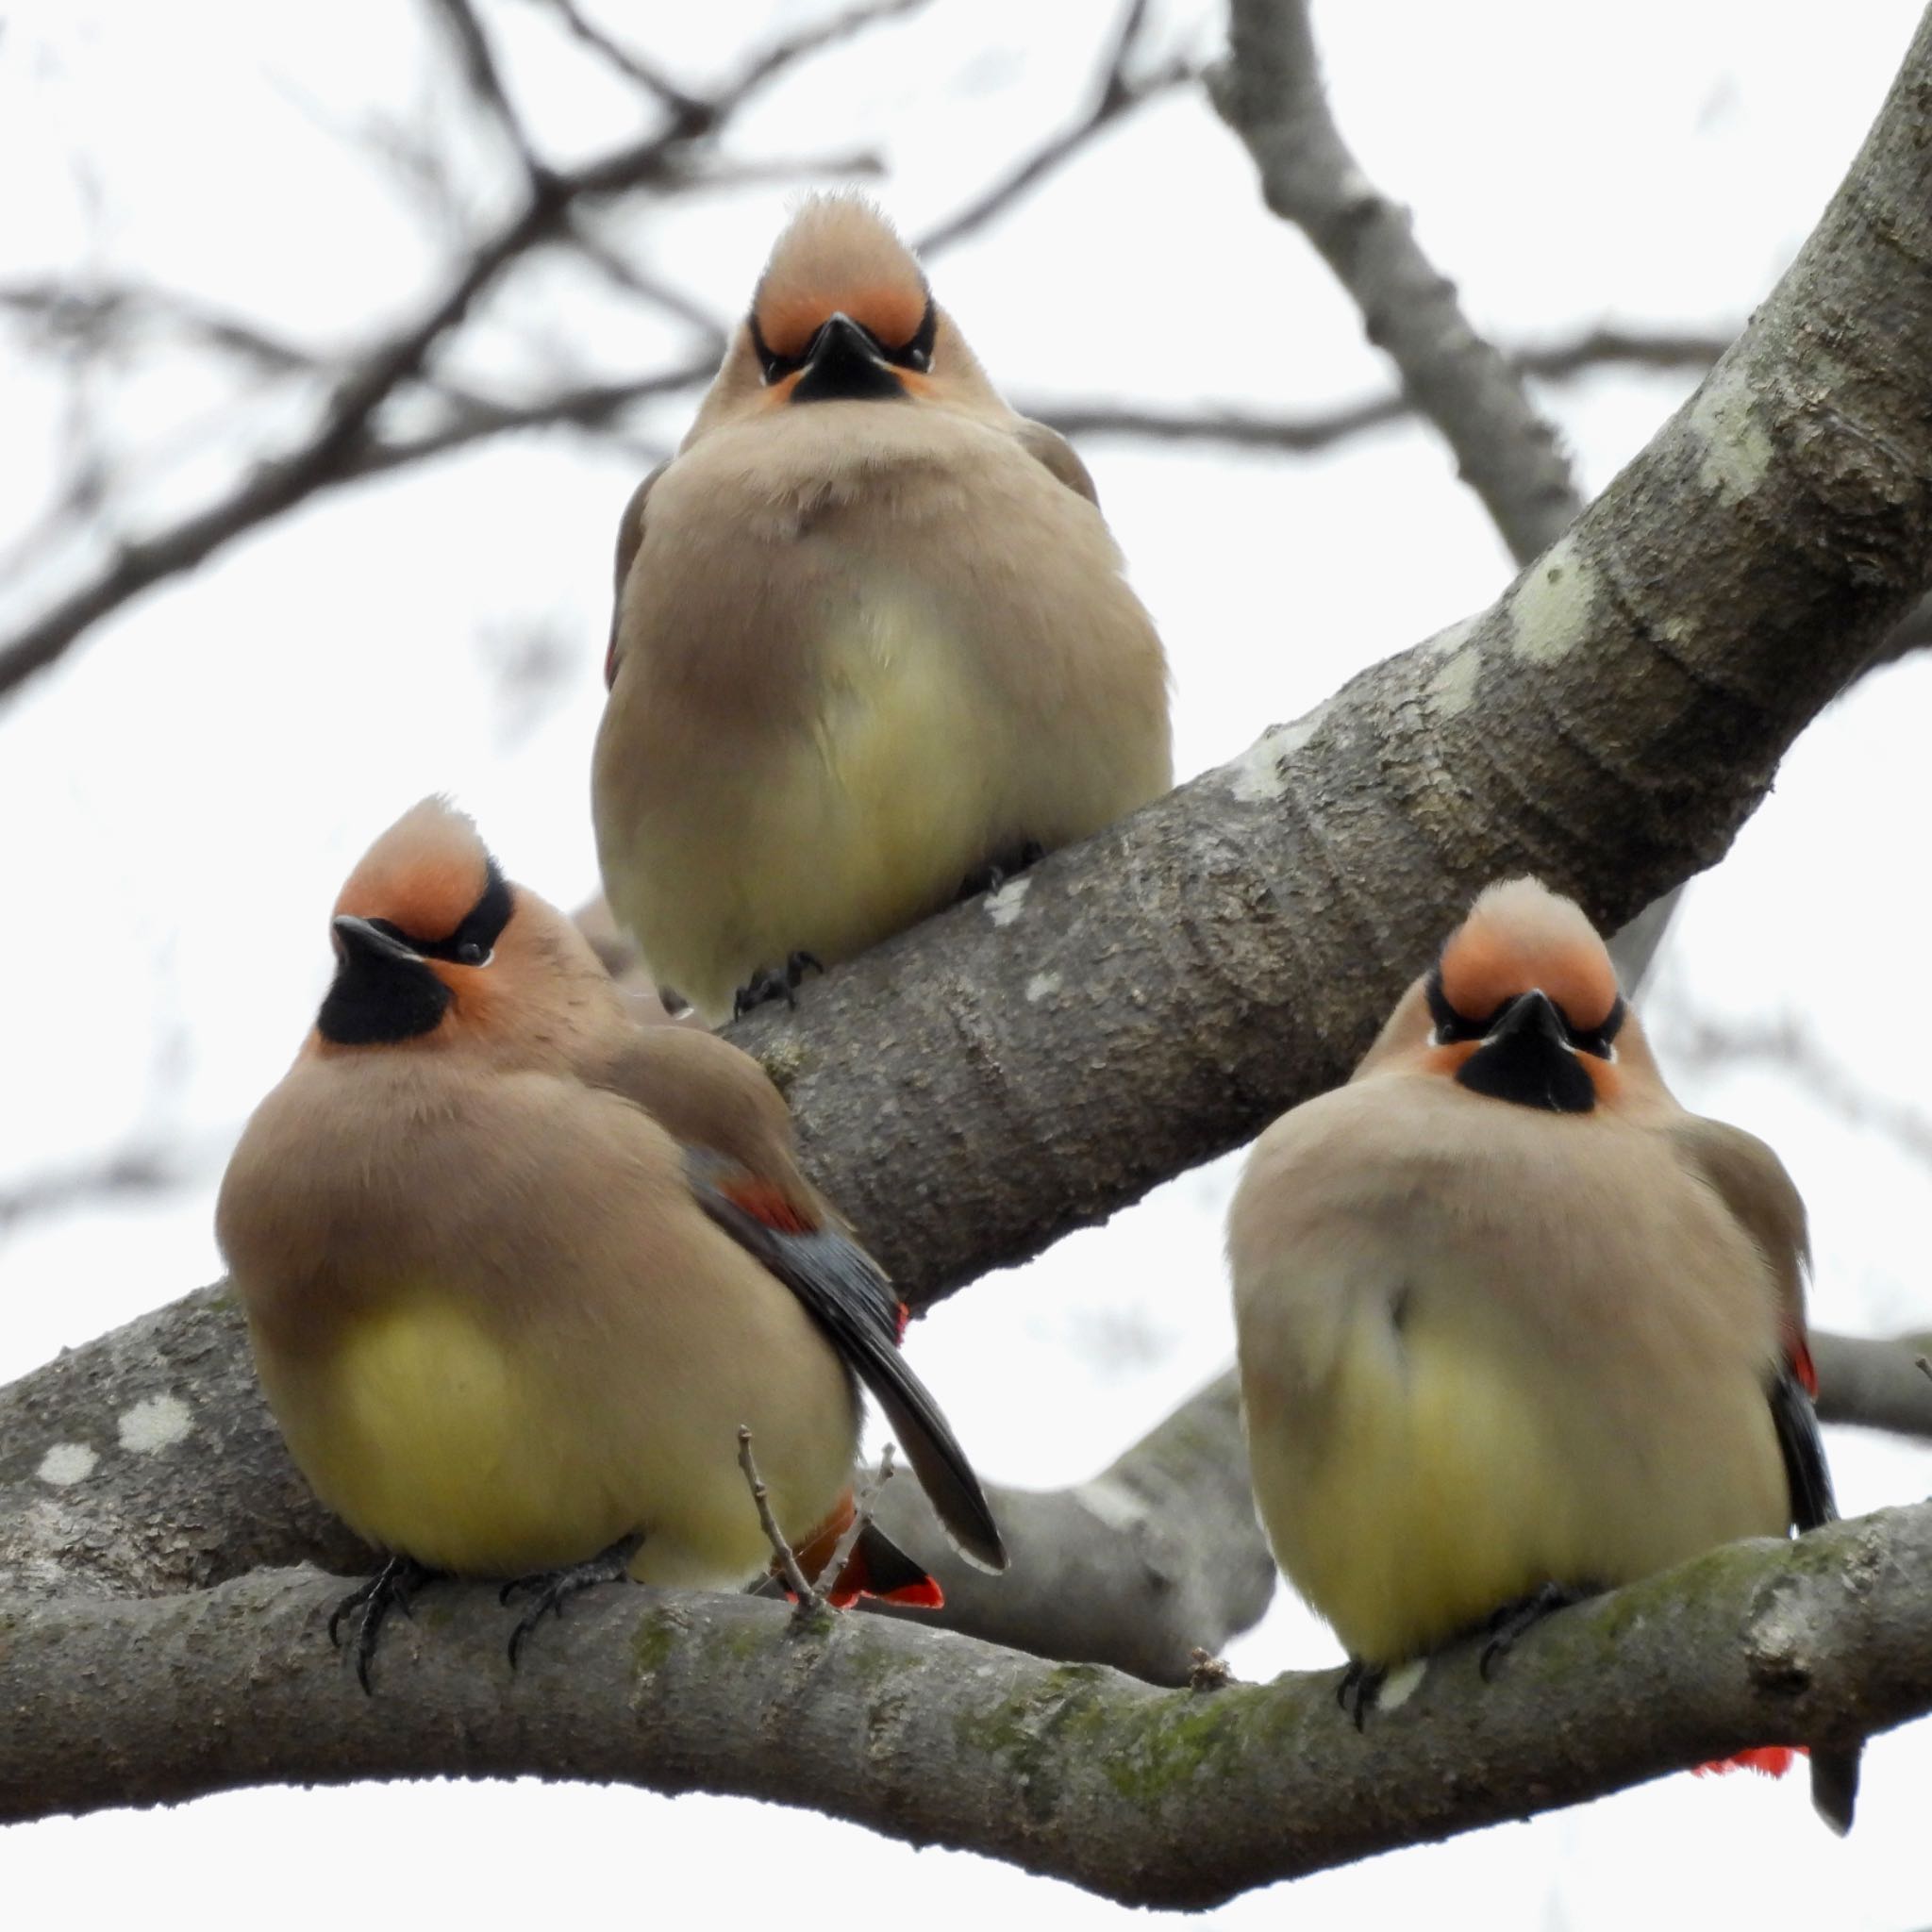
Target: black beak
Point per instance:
(845, 364)
(1532, 1014)
(359, 936)
(383, 989)
(1527, 1059)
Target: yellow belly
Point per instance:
(429, 1435)
(1444, 1478)
(837, 837)
(434, 1436)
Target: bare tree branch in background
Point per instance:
(675, 154)
(1270, 91)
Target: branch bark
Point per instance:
(1269, 91)
(1177, 1798)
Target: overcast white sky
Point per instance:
(182, 797)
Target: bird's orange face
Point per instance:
(862, 341)
(1524, 1004)
(414, 930)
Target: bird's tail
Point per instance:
(878, 1567)
(1834, 1776)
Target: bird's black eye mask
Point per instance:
(842, 350)
(384, 990)
(1529, 1051)
(475, 938)
(1452, 1025)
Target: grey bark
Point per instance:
(1270, 91)
(1179, 1798)
(1033, 1063)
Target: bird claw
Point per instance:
(550, 1590)
(1509, 1622)
(775, 983)
(991, 876)
(1360, 1685)
(389, 1589)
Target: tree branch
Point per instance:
(1035, 1059)
(328, 456)
(1177, 1798)
(1268, 92)
(1115, 95)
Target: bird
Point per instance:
(516, 1270)
(872, 648)
(1514, 1325)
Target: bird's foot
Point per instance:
(1361, 1684)
(1509, 1622)
(1003, 866)
(550, 1590)
(775, 983)
(369, 1603)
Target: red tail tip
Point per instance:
(923, 1595)
(1772, 1761)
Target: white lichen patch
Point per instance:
(1549, 611)
(67, 1463)
(1452, 637)
(1736, 448)
(1452, 690)
(1042, 985)
(1401, 1684)
(156, 1424)
(1004, 905)
(1260, 776)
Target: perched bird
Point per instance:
(1514, 1326)
(872, 648)
(516, 1270)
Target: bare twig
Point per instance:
(862, 1507)
(632, 66)
(1787, 1044)
(795, 1579)
(484, 79)
(1269, 91)
(341, 443)
(1116, 94)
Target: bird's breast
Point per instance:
(431, 1434)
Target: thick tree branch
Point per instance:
(1876, 1385)
(1270, 91)
(1179, 1798)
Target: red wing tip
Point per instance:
(1803, 1367)
(1771, 1760)
(765, 1203)
(904, 1316)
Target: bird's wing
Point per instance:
(630, 537)
(848, 1295)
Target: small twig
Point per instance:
(1923, 1365)
(1209, 1672)
(1113, 96)
(788, 1558)
(862, 1507)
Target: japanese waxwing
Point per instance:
(516, 1270)
(872, 648)
(1514, 1325)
